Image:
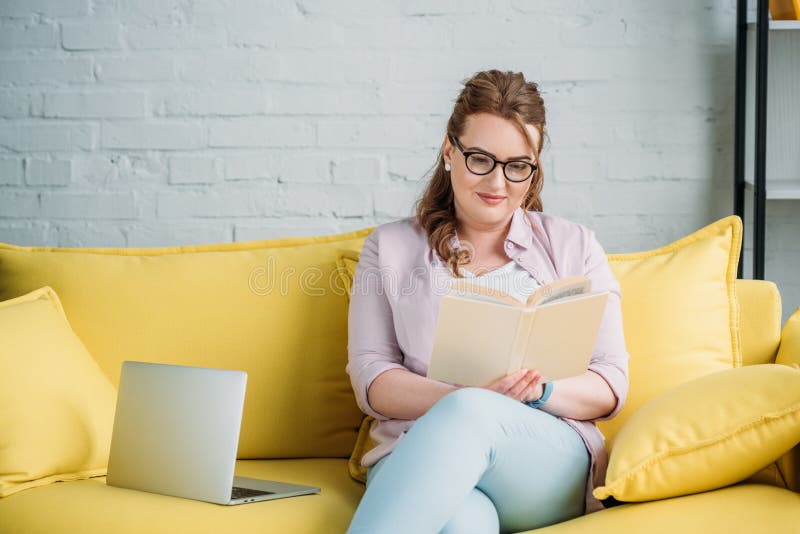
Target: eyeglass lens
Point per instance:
(514, 170)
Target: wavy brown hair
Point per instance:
(509, 96)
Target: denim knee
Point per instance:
(465, 402)
(466, 410)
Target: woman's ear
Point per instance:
(447, 151)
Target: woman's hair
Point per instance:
(504, 94)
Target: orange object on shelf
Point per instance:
(784, 9)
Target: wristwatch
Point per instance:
(547, 389)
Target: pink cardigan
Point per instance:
(394, 303)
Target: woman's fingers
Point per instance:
(519, 385)
(515, 378)
(528, 390)
(503, 385)
(521, 389)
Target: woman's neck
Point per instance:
(484, 242)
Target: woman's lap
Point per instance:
(531, 465)
(476, 514)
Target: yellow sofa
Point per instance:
(248, 306)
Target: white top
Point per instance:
(510, 278)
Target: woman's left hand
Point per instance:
(521, 385)
(534, 392)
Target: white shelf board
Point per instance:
(779, 190)
(784, 25)
(780, 24)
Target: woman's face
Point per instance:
(499, 138)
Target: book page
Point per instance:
(563, 334)
(468, 289)
(558, 289)
(472, 341)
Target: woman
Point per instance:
(515, 454)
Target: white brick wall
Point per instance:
(160, 122)
(92, 35)
(10, 171)
(83, 104)
(48, 172)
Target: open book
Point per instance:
(484, 334)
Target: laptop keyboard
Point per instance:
(239, 493)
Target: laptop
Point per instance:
(176, 432)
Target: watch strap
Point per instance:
(546, 391)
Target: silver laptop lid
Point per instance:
(176, 430)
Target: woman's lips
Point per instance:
(491, 199)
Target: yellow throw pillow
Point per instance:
(347, 268)
(56, 405)
(789, 349)
(680, 313)
(363, 445)
(274, 308)
(789, 354)
(346, 265)
(705, 434)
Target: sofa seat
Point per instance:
(742, 507)
(90, 506)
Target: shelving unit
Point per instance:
(781, 24)
(788, 191)
(783, 37)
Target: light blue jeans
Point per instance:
(477, 461)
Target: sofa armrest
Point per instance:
(789, 354)
(789, 349)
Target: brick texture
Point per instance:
(147, 123)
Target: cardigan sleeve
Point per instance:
(372, 346)
(610, 356)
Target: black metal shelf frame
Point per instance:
(759, 171)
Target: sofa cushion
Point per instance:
(273, 308)
(680, 313)
(707, 433)
(363, 444)
(735, 509)
(347, 263)
(91, 506)
(56, 405)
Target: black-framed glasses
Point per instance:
(481, 163)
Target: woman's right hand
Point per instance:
(519, 385)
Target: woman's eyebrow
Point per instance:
(479, 149)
